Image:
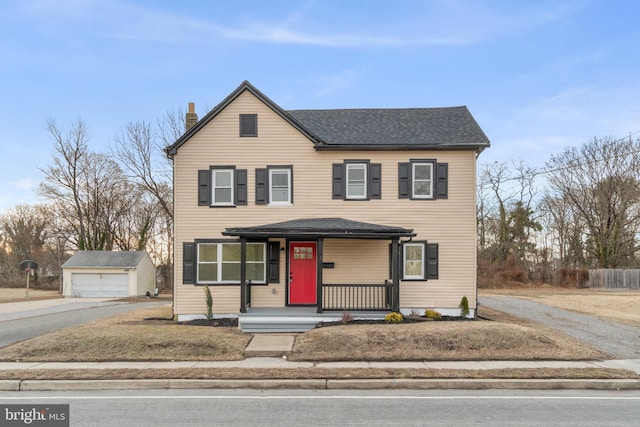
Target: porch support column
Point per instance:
(395, 276)
(319, 263)
(243, 275)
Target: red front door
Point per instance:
(302, 273)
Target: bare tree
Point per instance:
(140, 154)
(62, 179)
(600, 180)
(89, 193)
(507, 215)
(140, 150)
(24, 232)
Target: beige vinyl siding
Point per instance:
(449, 222)
(356, 261)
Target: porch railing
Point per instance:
(352, 297)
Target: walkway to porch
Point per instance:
(293, 319)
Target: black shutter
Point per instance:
(442, 176)
(241, 187)
(204, 188)
(404, 180)
(261, 186)
(337, 181)
(188, 263)
(375, 180)
(273, 268)
(432, 260)
(248, 125)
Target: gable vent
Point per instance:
(248, 125)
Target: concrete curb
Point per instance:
(321, 384)
(9, 385)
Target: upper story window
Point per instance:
(423, 179)
(248, 125)
(356, 180)
(280, 186)
(274, 186)
(422, 182)
(222, 187)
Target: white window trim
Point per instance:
(214, 173)
(280, 203)
(406, 276)
(218, 261)
(349, 167)
(413, 180)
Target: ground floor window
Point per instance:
(419, 260)
(413, 261)
(220, 262)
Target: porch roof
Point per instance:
(338, 228)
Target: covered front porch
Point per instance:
(328, 295)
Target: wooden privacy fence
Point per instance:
(614, 278)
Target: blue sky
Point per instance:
(538, 76)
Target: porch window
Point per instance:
(419, 260)
(413, 261)
(356, 180)
(220, 263)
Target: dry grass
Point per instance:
(19, 294)
(128, 337)
(618, 305)
(505, 338)
(316, 373)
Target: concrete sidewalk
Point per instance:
(282, 363)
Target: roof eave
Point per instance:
(346, 234)
(398, 147)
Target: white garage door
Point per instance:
(101, 285)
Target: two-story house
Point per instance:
(304, 212)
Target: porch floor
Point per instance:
(293, 319)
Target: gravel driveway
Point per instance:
(618, 340)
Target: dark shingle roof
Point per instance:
(326, 227)
(399, 127)
(105, 259)
(367, 129)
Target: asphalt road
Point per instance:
(284, 408)
(28, 323)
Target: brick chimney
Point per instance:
(191, 117)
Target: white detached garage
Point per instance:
(106, 274)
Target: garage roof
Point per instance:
(105, 259)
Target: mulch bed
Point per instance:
(224, 322)
(233, 322)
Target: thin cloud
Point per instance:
(440, 24)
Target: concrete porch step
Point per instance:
(270, 324)
(292, 319)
